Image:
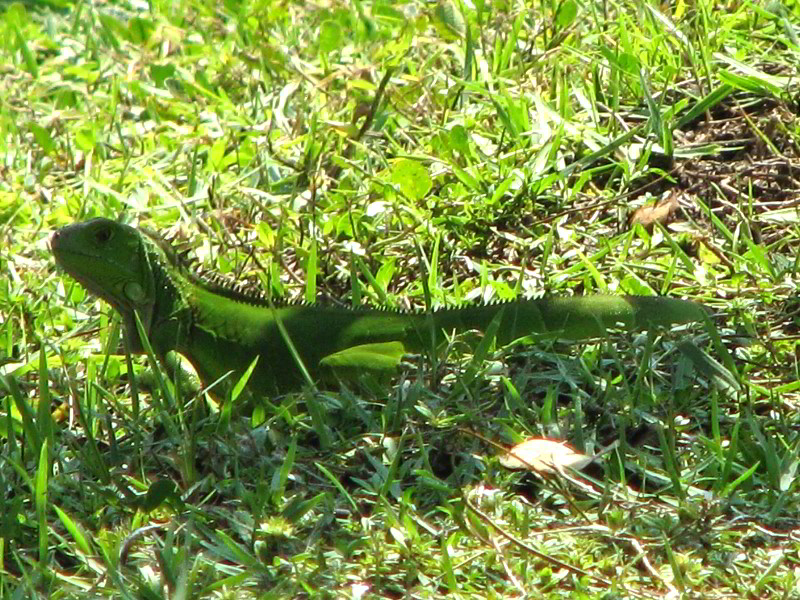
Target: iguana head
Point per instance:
(112, 261)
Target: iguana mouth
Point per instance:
(52, 241)
(56, 247)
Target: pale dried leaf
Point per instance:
(662, 212)
(544, 456)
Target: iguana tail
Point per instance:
(575, 318)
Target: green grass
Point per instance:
(408, 154)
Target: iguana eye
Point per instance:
(103, 235)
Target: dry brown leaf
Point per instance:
(544, 456)
(662, 212)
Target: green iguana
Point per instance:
(220, 329)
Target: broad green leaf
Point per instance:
(27, 55)
(412, 178)
(140, 30)
(297, 508)
(448, 20)
(731, 487)
(161, 72)
(157, 493)
(634, 285)
(466, 178)
(503, 187)
(16, 15)
(330, 36)
(42, 137)
(236, 552)
(218, 152)
(750, 78)
(706, 103)
(388, 13)
(385, 273)
(240, 385)
(566, 13)
(459, 139)
(623, 61)
(74, 530)
(378, 287)
(112, 30)
(85, 139)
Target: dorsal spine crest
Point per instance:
(188, 266)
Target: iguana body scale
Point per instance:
(221, 330)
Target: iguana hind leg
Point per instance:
(380, 356)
